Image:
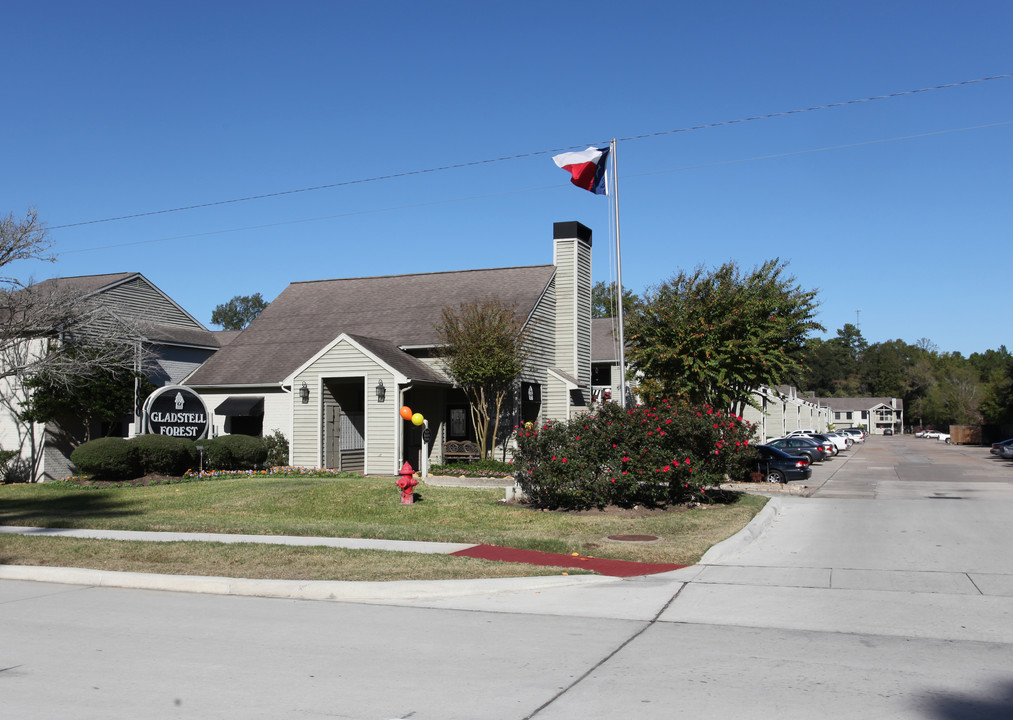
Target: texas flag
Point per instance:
(587, 168)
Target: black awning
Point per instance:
(241, 406)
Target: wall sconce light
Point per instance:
(304, 393)
(381, 391)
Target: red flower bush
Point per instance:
(622, 458)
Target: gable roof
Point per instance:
(125, 294)
(861, 403)
(85, 284)
(131, 297)
(604, 344)
(399, 310)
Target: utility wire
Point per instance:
(473, 163)
(372, 211)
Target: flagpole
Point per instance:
(619, 274)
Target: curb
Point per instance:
(746, 536)
(297, 589)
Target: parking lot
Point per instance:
(905, 466)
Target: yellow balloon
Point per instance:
(417, 419)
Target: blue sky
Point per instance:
(897, 208)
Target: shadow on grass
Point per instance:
(66, 511)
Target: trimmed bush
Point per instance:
(165, 455)
(652, 456)
(234, 452)
(108, 459)
(277, 449)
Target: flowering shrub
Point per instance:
(652, 456)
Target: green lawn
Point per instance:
(337, 508)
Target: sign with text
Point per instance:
(176, 411)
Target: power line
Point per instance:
(430, 203)
(473, 163)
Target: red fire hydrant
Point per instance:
(407, 483)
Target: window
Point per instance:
(457, 425)
(837, 416)
(848, 416)
(865, 414)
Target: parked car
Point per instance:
(829, 445)
(888, 431)
(1006, 452)
(843, 437)
(997, 447)
(925, 432)
(778, 466)
(945, 437)
(800, 446)
(857, 433)
(932, 434)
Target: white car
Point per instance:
(843, 442)
(936, 435)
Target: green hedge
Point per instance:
(165, 455)
(121, 459)
(108, 459)
(234, 452)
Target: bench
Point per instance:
(460, 450)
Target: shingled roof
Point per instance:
(84, 284)
(401, 310)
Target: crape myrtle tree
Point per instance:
(238, 312)
(45, 327)
(711, 338)
(484, 347)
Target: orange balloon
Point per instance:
(406, 412)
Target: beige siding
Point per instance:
(277, 407)
(344, 360)
(555, 399)
(565, 325)
(540, 329)
(583, 310)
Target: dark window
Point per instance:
(458, 422)
(249, 425)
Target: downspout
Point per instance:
(291, 421)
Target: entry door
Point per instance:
(344, 435)
(332, 436)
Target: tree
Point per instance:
(238, 312)
(715, 337)
(100, 394)
(484, 348)
(45, 327)
(603, 300)
(885, 368)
